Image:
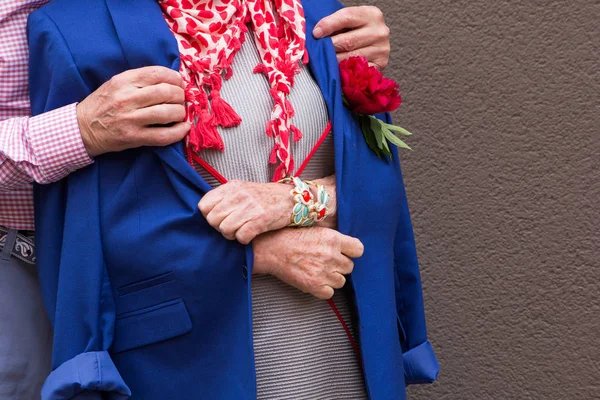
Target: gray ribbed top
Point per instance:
(301, 350)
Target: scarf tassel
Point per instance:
(273, 157)
(282, 171)
(204, 134)
(223, 114)
(296, 132)
(279, 173)
(270, 128)
(289, 108)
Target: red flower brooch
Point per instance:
(367, 92)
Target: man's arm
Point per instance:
(43, 149)
(130, 110)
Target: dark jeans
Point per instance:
(25, 331)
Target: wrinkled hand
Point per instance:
(124, 112)
(313, 260)
(243, 210)
(358, 31)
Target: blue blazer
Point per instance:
(147, 300)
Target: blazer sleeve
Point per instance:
(74, 281)
(420, 363)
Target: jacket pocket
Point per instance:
(146, 284)
(146, 293)
(150, 325)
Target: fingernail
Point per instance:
(318, 32)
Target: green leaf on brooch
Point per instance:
(387, 148)
(376, 128)
(394, 139)
(378, 133)
(395, 128)
(368, 134)
(385, 130)
(382, 144)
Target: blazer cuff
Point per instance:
(89, 376)
(420, 365)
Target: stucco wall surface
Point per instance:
(504, 188)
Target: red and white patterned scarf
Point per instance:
(209, 34)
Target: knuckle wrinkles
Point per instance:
(116, 80)
(122, 141)
(241, 235)
(179, 95)
(119, 99)
(350, 266)
(227, 231)
(344, 15)
(313, 280)
(155, 72)
(243, 195)
(211, 219)
(348, 43)
(377, 13)
(203, 207)
(315, 284)
(224, 226)
(258, 230)
(383, 32)
(162, 91)
(128, 122)
(170, 136)
(328, 238)
(180, 113)
(304, 283)
(244, 239)
(322, 252)
(161, 139)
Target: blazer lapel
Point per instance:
(325, 68)
(144, 35)
(146, 40)
(174, 157)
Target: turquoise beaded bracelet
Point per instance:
(307, 211)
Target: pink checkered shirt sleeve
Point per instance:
(44, 148)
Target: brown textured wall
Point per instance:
(504, 188)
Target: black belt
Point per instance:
(22, 243)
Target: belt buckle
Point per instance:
(23, 247)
